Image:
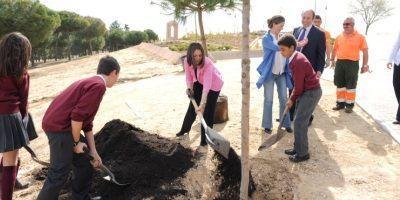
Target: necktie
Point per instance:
(301, 37)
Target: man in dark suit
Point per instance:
(311, 42)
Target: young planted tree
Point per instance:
(371, 11)
(31, 18)
(181, 9)
(244, 186)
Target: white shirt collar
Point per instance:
(102, 78)
(292, 56)
(308, 27)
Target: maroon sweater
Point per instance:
(79, 102)
(14, 95)
(303, 74)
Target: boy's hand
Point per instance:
(289, 103)
(96, 162)
(79, 147)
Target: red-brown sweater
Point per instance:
(303, 74)
(79, 102)
(14, 95)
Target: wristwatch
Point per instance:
(366, 65)
(76, 143)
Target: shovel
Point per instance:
(109, 175)
(279, 135)
(215, 140)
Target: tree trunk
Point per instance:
(244, 186)
(367, 28)
(203, 37)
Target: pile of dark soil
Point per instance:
(152, 164)
(227, 176)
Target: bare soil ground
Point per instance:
(351, 157)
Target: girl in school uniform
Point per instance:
(15, 52)
(204, 82)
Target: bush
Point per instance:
(135, 37)
(152, 35)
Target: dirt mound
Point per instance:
(280, 182)
(152, 164)
(227, 176)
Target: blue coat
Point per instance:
(265, 68)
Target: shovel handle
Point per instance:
(196, 107)
(285, 112)
(87, 153)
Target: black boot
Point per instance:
(339, 106)
(349, 107)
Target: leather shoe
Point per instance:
(396, 122)
(295, 158)
(267, 131)
(180, 133)
(289, 130)
(290, 152)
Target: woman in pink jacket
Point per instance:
(204, 82)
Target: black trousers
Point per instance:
(62, 158)
(208, 111)
(396, 86)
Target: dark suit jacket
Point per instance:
(315, 48)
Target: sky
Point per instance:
(140, 15)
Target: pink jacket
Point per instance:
(209, 76)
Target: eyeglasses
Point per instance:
(347, 24)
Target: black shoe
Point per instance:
(348, 110)
(289, 130)
(20, 185)
(267, 131)
(295, 158)
(396, 122)
(277, 120)
(311, 120)
(339, 106)
(180, 133)
(290, 152)
(203, 143)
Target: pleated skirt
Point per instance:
(13, 132)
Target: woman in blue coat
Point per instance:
(273, 70)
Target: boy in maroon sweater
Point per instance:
(71, 112)
(306, 94)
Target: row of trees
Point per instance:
(58, 35)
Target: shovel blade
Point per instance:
(217, 142)
(272, 139)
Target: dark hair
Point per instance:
(277, 19)
(107, 64)
(191, 49)
(288, 40)
(15, 52)
(318, 17)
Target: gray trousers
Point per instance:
(62, 158)
(305, 107)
